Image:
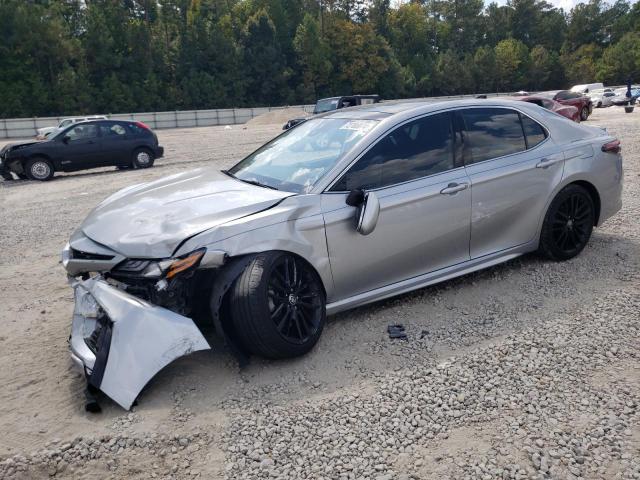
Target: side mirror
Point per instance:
(66, 139)
(367, 214)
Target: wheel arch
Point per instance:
(222, 281)
(27, 159)
(593, 193)
(587, 185)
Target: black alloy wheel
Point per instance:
(293, 300)
(277, 305)
(568, 224)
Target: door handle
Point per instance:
(454, 188)
(547, 162)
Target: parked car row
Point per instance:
(81, 146)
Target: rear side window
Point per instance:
(414, 150)
(137, 130)
(112, 130)
(492, 133)
(533, 131)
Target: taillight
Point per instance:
(612, 147)
(143, 125)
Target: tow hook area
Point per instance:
(120, 341)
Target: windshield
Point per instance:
(326, 105)
(301, 156)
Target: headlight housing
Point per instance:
(161, 269)
(184, 263)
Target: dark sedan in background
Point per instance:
(82, 146)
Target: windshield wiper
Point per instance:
(251, 182)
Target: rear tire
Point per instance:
(39, 169)
(142, 158)
(277, 306)
(568, 224)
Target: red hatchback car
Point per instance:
(574, 99)
(571, 112)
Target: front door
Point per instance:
(81, 149)
(513, 168)
(425, 203)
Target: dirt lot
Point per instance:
(526, 370)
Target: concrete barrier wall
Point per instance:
(26, 127)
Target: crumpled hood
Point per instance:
(152, 219)
(18, 145)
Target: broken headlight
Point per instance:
(162, 269)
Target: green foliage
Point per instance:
(621, 61)
(512, 63)
(581, 64)
(108, 56)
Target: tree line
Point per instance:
(62, 57)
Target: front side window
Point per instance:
(65, 123)
(301, 156)
(414, 150)
(492, 133)
(82, 132)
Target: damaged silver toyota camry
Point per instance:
(345, 209)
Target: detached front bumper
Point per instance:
(120, 342)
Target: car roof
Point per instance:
(403, 107)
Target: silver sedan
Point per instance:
(344, 209)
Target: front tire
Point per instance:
(277, 306)
(584, 113)
(142, 158)
(39, 169)
(568, 224)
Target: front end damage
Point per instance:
(120, 341)
(132, 317)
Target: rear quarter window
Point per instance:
(137, 130)
(533, 131)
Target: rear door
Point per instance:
(117, 143)
(513, 167)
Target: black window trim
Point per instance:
(457, 166)
(452, 111)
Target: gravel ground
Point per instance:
(525, 370)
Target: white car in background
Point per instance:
(42, 133)
(587, 88)
(603, 98)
